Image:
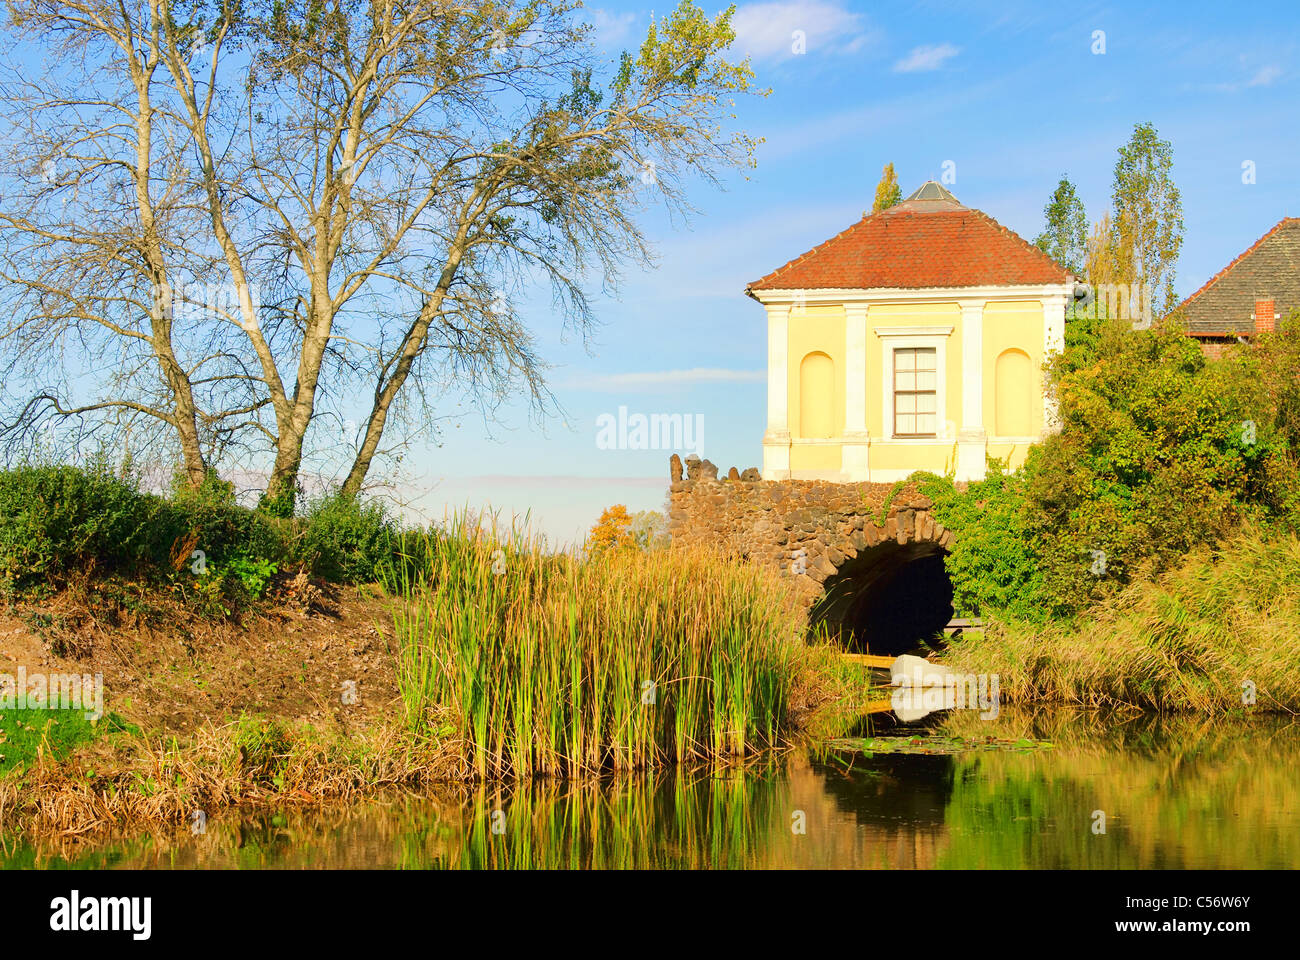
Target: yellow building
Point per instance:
(914, 340)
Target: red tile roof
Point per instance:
(1269, 268)
(918, 244)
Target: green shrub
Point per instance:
(252, 574)
(226, 532)
(993, 563)
(57, 518)
(1160, 451)
(347, 541)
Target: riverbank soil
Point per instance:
(168, 670)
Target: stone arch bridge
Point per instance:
(866, 558)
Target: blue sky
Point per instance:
(1012, 94)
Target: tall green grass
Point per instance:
(565, 666)
(1224, 622)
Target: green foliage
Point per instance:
(1187, 641)
(55, 518)
(992, 564)
(253, 574)
(1065, 239)
(347, 541)
(1279, 362)
(1148, 224)
(1159, 452)
(888, 192)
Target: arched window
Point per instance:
(817, 396)
(1014, 378)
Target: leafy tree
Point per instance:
(888, 192)
(613, 530)
(1160, 451)
(1065, 239)
(371, 186)
(1103, 262)
(649, 529)
(1147, 231)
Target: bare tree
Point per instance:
(375, 182)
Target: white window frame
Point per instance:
(934, 338)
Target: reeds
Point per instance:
(566, 666)
(251, 762)
(1221, 632)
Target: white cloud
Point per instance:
(663, 378)
(926, 58)
(611, 29)
(1264, 76)
(770, 31)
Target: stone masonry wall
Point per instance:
(769, 522)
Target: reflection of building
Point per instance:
(915, 336)
(1249, 295)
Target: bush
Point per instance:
(54, 519)
(993, 564)
(347, 541)
(209, 518)
(1160, 451)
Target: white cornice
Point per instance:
(913, 331)
(899, 295)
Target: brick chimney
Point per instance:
(1264, 310)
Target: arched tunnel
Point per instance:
(890, 599)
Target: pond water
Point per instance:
(1024, 790)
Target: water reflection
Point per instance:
(1176, 793)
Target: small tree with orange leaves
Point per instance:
(613, 529)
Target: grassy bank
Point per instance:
(559, 665)
(252, 762)
(500, 662)
(1224, 624)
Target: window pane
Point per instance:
(926, 422)
(906, 403)
(904, 360)
(905, 381)
(906, 423)
(926, 381)
(925, 358)
(925, 403)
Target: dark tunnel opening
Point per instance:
(889, 599)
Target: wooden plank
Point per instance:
(870, 660)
